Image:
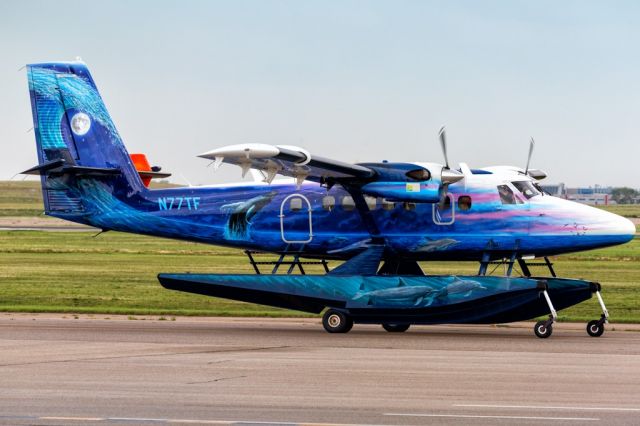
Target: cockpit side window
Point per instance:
(527, 189)
(506, 195)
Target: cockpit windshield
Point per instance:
(507, 196)
(526, 188)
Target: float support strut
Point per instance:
(554, 315)
(605, 313)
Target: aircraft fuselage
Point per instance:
(485, 213)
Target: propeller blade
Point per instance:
(532, 143)
(443, 145)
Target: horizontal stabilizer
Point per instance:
(91, 171)
(45, 168)
(58, 167)
(154, 175)
(145, 170)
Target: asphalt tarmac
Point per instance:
(58, 369)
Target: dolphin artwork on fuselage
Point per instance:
(378, 221)
(429, 244)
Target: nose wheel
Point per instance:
(595, 328)
(543, 329)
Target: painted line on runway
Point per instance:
(547, 407)
(88, 419)
(472, 416)
(175, 421)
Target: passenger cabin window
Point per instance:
(409, 206)
(348, 204)
(464, 203)
(527, 189)
(419, 174)
(295, 204)
(372, 202)
(506, 195)
(328, 202)
(388, 205)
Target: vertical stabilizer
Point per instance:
(74, 130)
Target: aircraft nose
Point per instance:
(621, 226)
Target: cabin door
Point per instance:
(295, 220)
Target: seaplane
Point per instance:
(377, 220)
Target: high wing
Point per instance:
(286, 160)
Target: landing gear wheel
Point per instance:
(543, 329)
(336, 321)
(396, 328)
(595, 328)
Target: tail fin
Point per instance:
(76, 139)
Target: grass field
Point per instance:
(20, 198)
(626, 210)
(116, 273)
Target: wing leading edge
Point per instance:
(286, 160)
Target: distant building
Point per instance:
(593, 195)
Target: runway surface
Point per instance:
(56, 369)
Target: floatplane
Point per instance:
(380, 219)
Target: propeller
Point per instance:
(532, 144)
(448, 176)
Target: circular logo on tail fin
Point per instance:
(80, 123)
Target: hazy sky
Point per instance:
(352, 80)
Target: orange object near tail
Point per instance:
(142, 165)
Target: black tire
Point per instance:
(336, 321)
(595, 328)
(543, 330)
(396, 328)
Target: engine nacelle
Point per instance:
(407, 182)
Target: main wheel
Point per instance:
(595, 328)
(336, 321)
(396, 328)
(543, 330)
